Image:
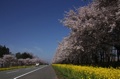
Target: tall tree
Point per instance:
(95, 29)
(26, 55)
(18, 55)
(4, 50)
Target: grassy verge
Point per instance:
(85, 72)
(15, 67)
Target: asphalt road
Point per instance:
(40, 72)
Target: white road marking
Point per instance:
(29, 72)
(12, 71)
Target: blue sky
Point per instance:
(33, 25)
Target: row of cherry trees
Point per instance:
(19, 59)
(94, 36)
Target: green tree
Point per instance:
(4, 50)
(26, 55)
(18, 55)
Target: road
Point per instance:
(40, 72)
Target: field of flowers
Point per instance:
(86, 72)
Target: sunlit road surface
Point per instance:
(40, 72)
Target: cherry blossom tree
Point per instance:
(9, 60)
(94, 31)
(63, 51)
(1, 62)
(29, 61)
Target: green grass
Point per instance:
(15, 67)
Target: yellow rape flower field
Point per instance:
(86, 72)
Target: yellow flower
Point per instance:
(89, 72)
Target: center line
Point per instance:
(29, 72)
